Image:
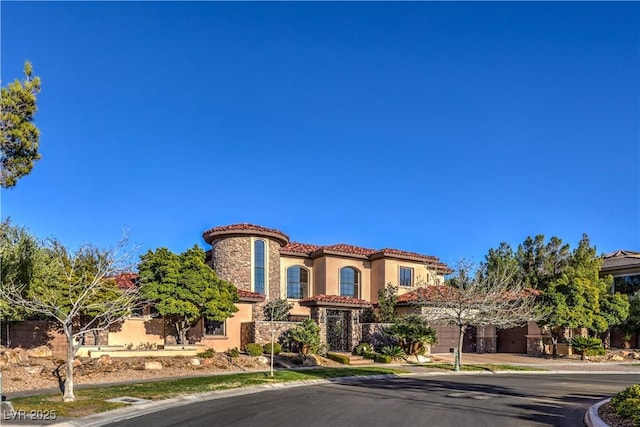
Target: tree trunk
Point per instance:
(96, 337)
(458, 355)
(554, 344)
(68, 381)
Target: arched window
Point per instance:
(297, 282)
(350, 282)
(258, 266)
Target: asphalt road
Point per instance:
(447, 401)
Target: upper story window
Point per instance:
(297, 282)
(258, 266)
(406, 276)
(627, 285)
(350, 282)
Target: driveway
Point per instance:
(443, 400)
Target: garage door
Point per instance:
(448, 338)
(512, 340)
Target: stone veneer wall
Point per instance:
(262, 330)
(274, 270)
(538, 345)
(231, 260)
(319, 314)
(355, 330)
(486, 339)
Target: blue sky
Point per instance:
(439, 128)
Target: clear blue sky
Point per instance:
(439, 128)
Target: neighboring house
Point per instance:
(624, 266)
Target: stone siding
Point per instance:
(274, 270)
(260, 331)
(539, 345)
(231, 260)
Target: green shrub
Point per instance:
(207, 354)
(630, 409)
(393, 351)
(596, 352)
(584, 344)
(413, 333)
(627, 403)
(233, 352)
(631, 392)
(383, 358)
(306, 336)
(253, 349)
(277, 348)
(362, 348)
(369, 355)
(341, 358)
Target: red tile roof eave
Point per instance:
(334, 301)
(248, 296)
(245, 229)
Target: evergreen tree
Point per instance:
(19, 137)
(184, 289)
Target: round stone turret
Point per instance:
(232, 249)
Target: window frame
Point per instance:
(299, 282)
(356, 282)
(402, 269)
(222, 327)
(255, 267)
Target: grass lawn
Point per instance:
(91, 401)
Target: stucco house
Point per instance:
(331, 284)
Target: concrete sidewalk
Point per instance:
(549, 363)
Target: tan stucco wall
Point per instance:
(138, 331)
(385, 271)
(320, 276)
(298, 310)
(285, 263)
(332, 268)
(232, 338)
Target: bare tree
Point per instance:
(69, 285)
(477, 297)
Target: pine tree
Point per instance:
(20, 138)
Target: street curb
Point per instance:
(147, 408)
(591, 418)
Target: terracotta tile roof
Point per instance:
(349, 249)
(334, 300)
(441, 291)
(425, 293)
(245, 228)
(297, 247)
(342, 248)
(250, 296)
(126, 280)
(391, 251)
(318, 250)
